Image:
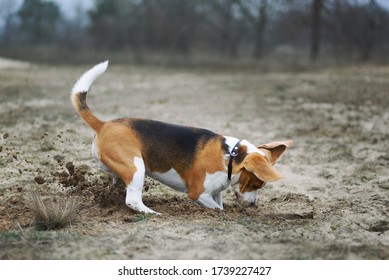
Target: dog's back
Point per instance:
(177, 146)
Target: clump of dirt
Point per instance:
(380, 226)
(78, 180)
(39, 180)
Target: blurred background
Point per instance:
(265, 34)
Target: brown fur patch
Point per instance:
(248, 182)
(274, 150)
(79, 102)
(209, 159)
(118, 147)
(261, 167)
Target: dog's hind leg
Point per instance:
(131, 169)
(135, 187)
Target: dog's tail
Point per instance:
(79, 91)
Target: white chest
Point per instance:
(213, 183)
(216, 182)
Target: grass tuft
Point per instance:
(54, 213)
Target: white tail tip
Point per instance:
(83, 84)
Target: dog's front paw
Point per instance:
(142, 209)
(153, 213)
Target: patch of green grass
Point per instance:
(224, 219)
(30, 244)
(10, 236)
(143, 217)
(248, 223)
(139, 218)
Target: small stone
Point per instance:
(13, 200)
(39, 180)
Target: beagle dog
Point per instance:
(192, 160)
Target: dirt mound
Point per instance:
(102, 199)
(78, 180)
(293, 206)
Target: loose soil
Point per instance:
(332, 203)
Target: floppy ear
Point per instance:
(275, 149)
(261, 168)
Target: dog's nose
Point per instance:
(253, 203)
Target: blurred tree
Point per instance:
(163, 24)
(171, 24)
(344, 29)
(38, 21)
(8, 10)
(372, 18)
(359, 27)
(256, 12)
(224, 19)
(109, 23)
(182, 21)
(72, 32)
(316, 28)
(291, 25)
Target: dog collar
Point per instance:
(233, 154)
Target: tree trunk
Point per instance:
(260, 27)
(316, 28)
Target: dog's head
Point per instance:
(257, 169)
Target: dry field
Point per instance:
(332, 204)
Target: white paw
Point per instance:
(143, 209)
(149, 211)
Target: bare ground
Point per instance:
(332, 203)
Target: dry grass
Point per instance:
(54, 212)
